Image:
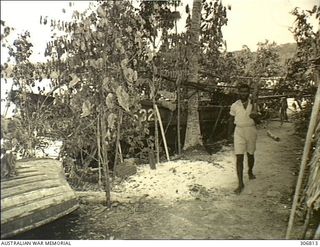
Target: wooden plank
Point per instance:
(49, 170)
(26, 169)
(13, 181)
(36, 195)
(25, 180)
(47, 165)
(24, 174)
(31, 208)
(39, 218)
(39, 166)
(23, 188)
(40, 161)
(26, 165)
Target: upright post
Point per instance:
(307, 146)
(162, 133)
(178, 115)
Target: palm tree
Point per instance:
(193, 137)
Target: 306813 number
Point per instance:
(309, 242)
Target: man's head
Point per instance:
(243, 92)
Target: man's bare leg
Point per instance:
(250, 165)
(239, 173)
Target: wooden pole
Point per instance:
(307, 147)
(178, 116)
(317, 234)
(120, 114)
(99, 151)
(178, 84)
(120, 153)
(306, 223)
(162, 133)
(7, 108)
(105, 159)
(156, 133)
(8, 103)
(103, 136)
(216, 123)
(152, 162)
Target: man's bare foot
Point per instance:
(251, 176)
(239, 190)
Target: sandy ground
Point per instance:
(193, 198)
(260, 212)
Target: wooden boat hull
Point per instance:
(38, 194)
(213, 121)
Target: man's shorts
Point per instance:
(245, 139)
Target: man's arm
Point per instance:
(230, 127)
(256, 116)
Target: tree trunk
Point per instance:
(99, 152)
(104, 157)
(193, 137)
(120, 113)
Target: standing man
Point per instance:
(245, 133)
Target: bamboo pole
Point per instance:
(306, 223)
(8, 103)
(105, 160)
(307, 147)
(120, 114)
(162, 133)
(178, 116)
(120, 152)
(178, 94)
(99, 152)
(156, 133)
(216, 123)
(104, 154)
(317, 234)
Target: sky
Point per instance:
(250, 21)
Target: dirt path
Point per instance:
(260, 212)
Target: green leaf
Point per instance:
(118, 43)
(74, 81)
(83, 46)
(101, 12)
(123, 98)
(86, 108)
(124, 63)
(111, 120)
(110, 101)
(54, 75)
(129, 74)
(129, 29)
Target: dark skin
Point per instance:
(244, 97)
